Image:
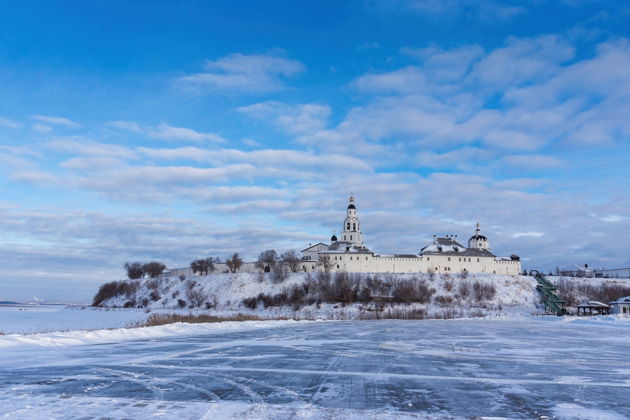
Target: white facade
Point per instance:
(443, 255)
(621, 306)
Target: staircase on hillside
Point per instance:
(548, 292)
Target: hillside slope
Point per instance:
(338, 296)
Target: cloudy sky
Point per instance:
(175, 130)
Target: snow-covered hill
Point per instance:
(340, 296)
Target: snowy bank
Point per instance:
(76, 338)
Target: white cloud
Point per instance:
(56, 121)
(613, 218)
(251, 142)
(168, 132)
(532, 161)
(82, 146)
(42, 128)
(293, 119)
(522, 61)
(239, 73)
(527, 235)
(487, 10)
(165, 131)
(125, 125)
(7, 123)
(406, 80)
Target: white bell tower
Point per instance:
(478, 241)
(351, 229)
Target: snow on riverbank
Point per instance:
(80, 337)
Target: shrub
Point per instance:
(113, 289)
(190, 284)
(162, 319)
(181, 303)
(443, 300)
(412, 291)
(153, 284)
(154, 296)
(464, 289)
(483, 291)
(448, 284)
(196, 296)
(250, 303)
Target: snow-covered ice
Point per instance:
(46, 318)
(526, 368)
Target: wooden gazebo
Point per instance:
(592, 307)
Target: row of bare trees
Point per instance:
(208, 265)
(138, 270)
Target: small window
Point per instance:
(350, 237)
(366, 258)
(477, 259)
(427, 258)
(337, 265)
(348, 225)
(449, 258)
(350, 258)
(354, 226)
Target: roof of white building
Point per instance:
(340, 247)
(449, 246)
(312, 247)
(625, 299)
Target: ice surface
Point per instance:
(45, 318)
(525, 368)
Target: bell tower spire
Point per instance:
(351, 229)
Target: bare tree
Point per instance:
(134, 270)
(153, 269)
(267, 260)
(291, 259)
(280, 273)
(203, 265)
(234, 263)
(326, 262)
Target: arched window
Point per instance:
(348, 226)
(354, 226)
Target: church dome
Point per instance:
(351, 206)
(478, 238)
(333, 238)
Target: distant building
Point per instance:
(621, 306)
(442, 255)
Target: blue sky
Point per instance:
(175, 130)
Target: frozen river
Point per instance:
(355, 369)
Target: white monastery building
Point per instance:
(443, 255)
